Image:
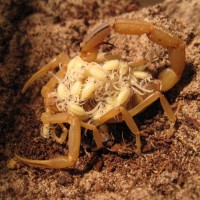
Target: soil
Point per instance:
(31, 34)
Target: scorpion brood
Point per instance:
(92, 89)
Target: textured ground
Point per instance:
(31, 34)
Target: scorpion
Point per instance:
(92, 88)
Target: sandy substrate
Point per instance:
(33, 33)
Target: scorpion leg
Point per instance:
(97, 136)
(62, 58)
(46, 89)
(127, 118)
(149, 100)
(63, 117)
(165, 105)
(73, 143)
(62, 161)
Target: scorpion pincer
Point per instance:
(93, 88)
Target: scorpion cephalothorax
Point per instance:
(92, 89)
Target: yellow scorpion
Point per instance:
(93, 88)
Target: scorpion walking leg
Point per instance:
(62, 161)
(165, 105)
(64, 117)
(148, 101)
(50, 107)
(96, 133)
(127, 118)
(45, 131)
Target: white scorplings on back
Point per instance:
(89, 90)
